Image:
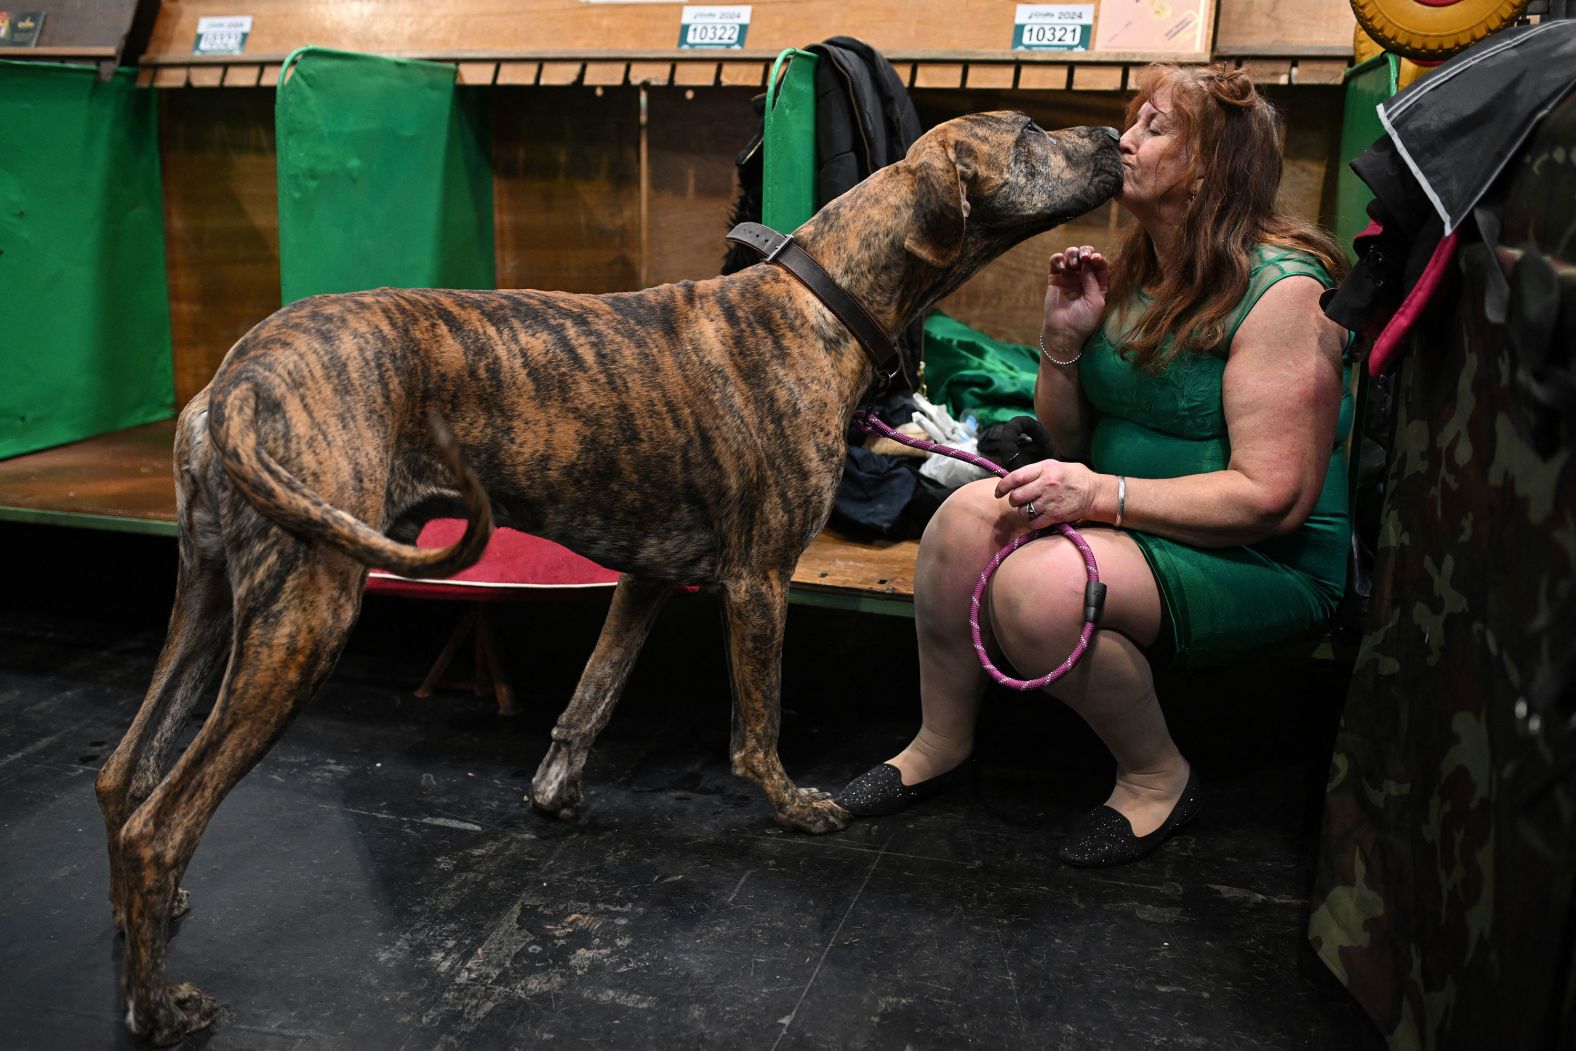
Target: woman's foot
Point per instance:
(1147, 800)
(932, 763)
(933, 753)
(881, 790)
(923, 760)
(1105, 836)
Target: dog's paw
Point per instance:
(556, 789)
(811, 810)
(180, 1012)
(563, 809)
(561, 801)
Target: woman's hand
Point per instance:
(1059, 491)
(1075, 298)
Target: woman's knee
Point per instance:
(970, 511)
(964, 532)
(1036, 605)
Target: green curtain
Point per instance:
(788, 142)
(85, 337)
(1367, 85)
(383, 176)
(975, 375)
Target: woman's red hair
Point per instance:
(1233, 137)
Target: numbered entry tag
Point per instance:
(714, 27)
(222, 36)
(1053, 27)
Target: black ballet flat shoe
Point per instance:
(880, 790)
(1103, 837)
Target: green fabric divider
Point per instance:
(788, 142)
(383, 176)
(85, 338)
(1367, 85)
(975, 375)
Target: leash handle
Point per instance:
(1094, 590)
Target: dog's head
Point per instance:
(986, 181)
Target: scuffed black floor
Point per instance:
(377, 882)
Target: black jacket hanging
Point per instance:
(1448, 138)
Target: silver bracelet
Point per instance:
(1047, 356)
(1121, 500)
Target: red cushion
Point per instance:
(513, 560)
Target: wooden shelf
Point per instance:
(934, 44)
(91, 53)
(1072, 72)
(934, 70)
(124, 481)
(81, 32)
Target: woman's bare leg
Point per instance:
(962, 536)
(1036, 605)
(1034, 611)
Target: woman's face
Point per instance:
(1154, 157)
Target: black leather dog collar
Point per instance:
(783, 250)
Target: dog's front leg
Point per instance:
(556, 789)
(755, 611)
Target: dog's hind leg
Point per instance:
(557, 787)
(292, 615)
(756, 612)
(194, 646)
(196, 642)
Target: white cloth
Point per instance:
(942, 429)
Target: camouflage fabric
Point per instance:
(1443, 893)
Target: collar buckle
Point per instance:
(779, 248)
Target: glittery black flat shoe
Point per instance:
(880, 790)
(1104, 837)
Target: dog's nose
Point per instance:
(1116, 136)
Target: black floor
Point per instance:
(377, 881)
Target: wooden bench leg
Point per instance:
(490, 680)
(446, 655)
(487, 658)
(482, 685)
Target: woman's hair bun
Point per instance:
(1230, 87)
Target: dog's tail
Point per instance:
(282, 497)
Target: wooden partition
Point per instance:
(221, 223)
(568, 191)
(568, 188)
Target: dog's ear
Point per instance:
(941, 209)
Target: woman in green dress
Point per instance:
(1195, 394)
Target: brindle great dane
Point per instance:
(690, 432)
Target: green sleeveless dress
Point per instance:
(1221, 602)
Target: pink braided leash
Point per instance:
(1094, 591)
